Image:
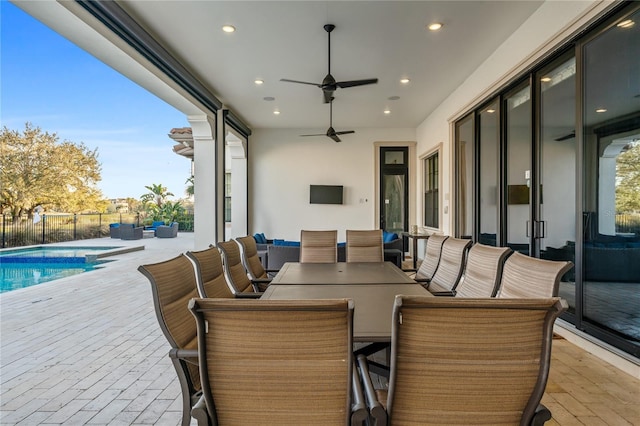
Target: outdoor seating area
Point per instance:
(129, 231)
(113, 367)
(304, 294)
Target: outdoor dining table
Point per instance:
(373, 301)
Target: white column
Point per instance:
(238, 159)
(204, 165)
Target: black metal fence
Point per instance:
(628, 223)
(54, 228)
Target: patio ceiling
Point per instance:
(387, 40)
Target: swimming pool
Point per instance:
(26, 267)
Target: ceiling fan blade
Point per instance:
(301, 82)
(353, 83)
(565, 137)
(345, 132)
(334, 137)
(317, 134)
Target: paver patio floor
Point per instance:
(87, 349)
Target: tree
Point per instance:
(628, 180)
(171, 211)
(157, 195)
(37, 169)
(190, 188)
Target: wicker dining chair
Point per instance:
(524, 276)
(210, 273)
(482, 272)
(450, 266)
(251, 261)
(467, 361)
(274, 362)
(234, 271)
(318, 246)
(173, 284)
(365, 245)
(431, 259)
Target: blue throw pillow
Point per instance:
(260, 239)
(277, 242)
(387, 237)
(263, 239)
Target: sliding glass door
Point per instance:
(518, 139)
(555, 226)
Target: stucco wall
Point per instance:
(283, 165)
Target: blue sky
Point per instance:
(55, 85)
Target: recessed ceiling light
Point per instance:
(228, 28)
(387, 111)
(258, 81)
(404, 80)
(626, 24)
(545, 79)
(269, 98)
(393, 98)
(276, 112)
(600, 110)
(491, 110)
(435, 26)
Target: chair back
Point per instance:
(250, 259)
(431, 256)
(469, 361)
(524, 276)
(451, 264)
(318, 246)
(275, 362)
(173, 284)
(234, 270)
(365, 246)
(483, 271)
(210, 273)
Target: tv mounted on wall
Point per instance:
(325, 194)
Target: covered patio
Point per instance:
(87, 349)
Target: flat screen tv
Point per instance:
(325, 194)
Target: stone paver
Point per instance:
(87, 349)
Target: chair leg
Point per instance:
(541, 416)
(185, 389)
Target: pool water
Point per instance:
(21, 268)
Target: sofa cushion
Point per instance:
(387, 237)
(286, 243)
(260, 238)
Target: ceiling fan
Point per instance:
(331, 133)
(329, 84)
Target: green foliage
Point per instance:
(158, 195)
(37, 169)
(628, 180)
(157, 206)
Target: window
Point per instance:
(431, 199)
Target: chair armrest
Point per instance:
(376, 410)
(410, 270)
(200, 413)
(450, 293)
(359, 411)
(261, 284)
(189, 355)
(248, 295)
